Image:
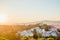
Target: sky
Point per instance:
(23, 11)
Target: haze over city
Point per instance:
(23, 11)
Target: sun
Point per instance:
(3, 18)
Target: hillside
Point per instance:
(9, 28)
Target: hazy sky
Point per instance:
(21, 11)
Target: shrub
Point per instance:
(50, 39)
(41, 38)
(2, 38)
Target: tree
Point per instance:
(35, 35)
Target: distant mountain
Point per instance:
(54, 23)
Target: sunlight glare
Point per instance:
(3, 18)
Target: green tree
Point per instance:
(35, 35)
